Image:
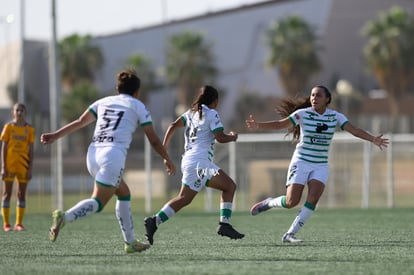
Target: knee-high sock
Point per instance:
(164, 214)
(279, 202)
(123, 214)
(225, 211)
(20, 209)
(304, 214)
(82, 209)
(5, 211)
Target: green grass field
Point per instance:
(339, 241)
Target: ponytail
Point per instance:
(287, 107)
(207, 95)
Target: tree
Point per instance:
(389, 53)
(79, 59)
(74, 103)
(293, 49)
(143, 66)
(190, 64)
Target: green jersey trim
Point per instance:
(184, 120)
(313, 156)
(313, 161)
(293, 121)
(218, 129)
(316, 150)
(93, 112)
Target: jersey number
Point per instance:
(191, 134)
(108, 117)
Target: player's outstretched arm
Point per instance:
(283, 123)
(358, 132)
(85, 119)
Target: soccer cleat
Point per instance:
(58, 223)
(136, 246)
(19, 227)
(150, 228)
(260, 207)
(225, 229)
(7, 227)
(290, 238)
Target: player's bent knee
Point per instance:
(291, 203)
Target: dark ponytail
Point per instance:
(207, 95)
(287, 107)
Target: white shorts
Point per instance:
(106, 164)
(302, 172)
(196, 174)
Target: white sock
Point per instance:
(81, 209)
(225, 211)
(300, 220)
(123, 214)
(279, 202)
(165, 214)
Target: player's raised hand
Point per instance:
(251, 123)
(381, 142)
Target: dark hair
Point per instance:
(128, 82)
(18, 104)
(288, 106)
(207, 94)
(326, 90)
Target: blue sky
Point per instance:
(99, 17)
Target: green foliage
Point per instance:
(293, 49)
(79, 59)
(337, 241)
(12, 92)
(143, 66)
(75, 102)
(389, 50)
(190, 64)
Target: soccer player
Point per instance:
(313, 125)
(116, 119)
(202, 126)
(17, 162)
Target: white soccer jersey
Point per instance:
(316, 132)
(199, 133)
(117, 119)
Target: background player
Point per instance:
(17, 162)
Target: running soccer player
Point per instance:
(313, 126)
(116, 120)
(202, 126)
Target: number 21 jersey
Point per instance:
(199, 133)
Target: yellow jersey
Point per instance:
(18, 139)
